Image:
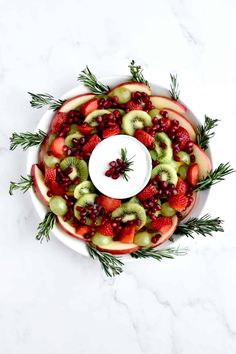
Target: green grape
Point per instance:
(58, 205)
(184, 157)
(50, 160)
(182, 171)
(142, 239)
(166, 210)
(154, 113)
(73, 129)
(101, 240)
(123, 94)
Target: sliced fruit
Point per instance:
(193, 174)
(73, 129)
(110, 131)
(130, 212)
(143, 239)
(178, 202)
(181, 186)
(69, 229)
(182, 137)
(58, 205)
(162, 102)
(135, 120)
(182, 171)
(83, 201)
(132, 105)
(101, 240)
(202, 160)
(89, 106)
(50, 160)
(56, 147)
(187, 211)
(92, 143)
(166, 210)
(166, 235)
(91, 118)
(166, 173)
(134, 200)
(85, 128)
(83, 230)
(117, 247)
(58, 120)
(39, 184)
(74, 103)
(50, 175)
(106, 229)
(145, 138)
(124, 96)
(79, 168)
(147, 192)
(83, 188)
(163, 150)
(184, 157)
(127, 234)
(162, 224)
(109, 204)
(70, 137)
(154, 113)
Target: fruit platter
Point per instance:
(119, 169)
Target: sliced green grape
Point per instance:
(50, 160)
(166, 210)
(142, 239)
(101, 240)
(123, 94)
(58, 205)
(184, 157)
(182, 171)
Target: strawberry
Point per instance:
(56, 188)
(82, 230)
(178, 202)
(147, 192)
(56, 147)
(50, 175)
(182, 137)
(91, 144)
(89, 106)
(57, 121)
(181, 186)
(127, 234)
(162, 224)
(109, 204)
(132, 105)
(145, 138)
(105, 229)
(111, 131)
(193, 174)
(85, 128)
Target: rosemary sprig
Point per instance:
(89, 80)
(159, 254)
(215, 176)
(110, 264)
(27, 139)
(128, 163)
(24, 184)
(205, 132)
(137, 73)
(174, 87)
(46, 226)
(204, 226)
(39, 100)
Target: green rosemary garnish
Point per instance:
(205, 132)
(89, 80)
(174, 87)
(39, 100)
(137, 73)
(24, 184)
(46, 226)
(110, 264)
(215, 176)
(128, 163)
(203, 226)
(159, 254)
(27, 139)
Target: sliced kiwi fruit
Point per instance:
(122, 112)
(154, 113)
(166, 173)
(134, 200)
(91, 117)
(129, 212)
(83, 188)
(135, 120)
(163, 155)
(70, 137)
(83, 201)
(80, 168)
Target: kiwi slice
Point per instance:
(129, 212)
(91, 117)
(80, 168)
(70, 137)
(166, 173)
(83, 188)
(83, 201)
(163, 155)
(134, 200)
(135, 120)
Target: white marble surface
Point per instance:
(53, 301)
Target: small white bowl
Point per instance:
(44, 123)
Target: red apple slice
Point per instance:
(187, 211)
(117, 247)
(166, 235)
(74, 102)
(183, 122)
(39, 186)
(202, 160)
(69, 229)
(162, 102)
(132, 87)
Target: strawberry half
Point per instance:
(57, 121)
(82, 230)
(162, 224)
(147, 192)
(106, 229)
(127, 234)
(132, 105)
(91, 144)
(193, 174)
(178, 202)
(85, 128)
(182, 137)
(50, 175)
(110, 131)
(56, 147)
(145, 138)
(109, 204)
(181, 186)
(89, 106)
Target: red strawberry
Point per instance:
(56, 147)
(127, 234)
(110, 131)
(82, 230)
(147, 192)
(50, 175)
(57, 121)
(85, 128)
(193, 174)
(109, 204)
(91, 144)
(145, 138)
(89, 106)
(182, 137)
(181, 186)
(56, 188)
(132, 105)
(178, 202)
(162, 224)
(105, 229)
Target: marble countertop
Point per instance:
(54, 301)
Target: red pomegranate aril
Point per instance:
(76, 181)
(115, 176)
(155, 238)
(164, 113)
(155, 120)
(79, 208)
(163, 145)
(65, 148)
(174, 192)
(49, 194)
(66, 189)
(164, 184)
(171, 135)
(82, 140)
(192, 158)
(176, 158)
(175, 123)
(158, 207)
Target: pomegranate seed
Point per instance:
(192, 158)
(65, 148)
(49, 194)
(164, 114)
(155, 238)
(115, 176)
